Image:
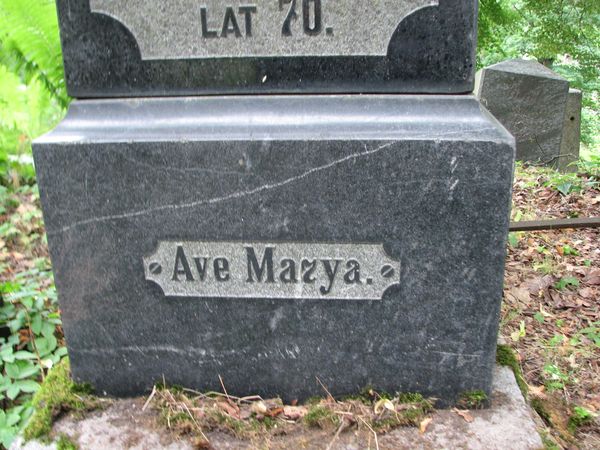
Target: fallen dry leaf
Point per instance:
(259, 408)
(521, 294)
(382, 404)
(592, 279)
(424, 424)
(537, 391)
(539, 284)
(17, 256)
(229, 409)
(587, 293)
(274, 412)
(198, 413)
(245, 414)
(294, 412)
(465, 414)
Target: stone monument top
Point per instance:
(116, 48)
(525, 67)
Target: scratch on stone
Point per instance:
(452, 187)
(143, 350)
(463, 355)
(198, 170)
(453, 164)
(233, 195)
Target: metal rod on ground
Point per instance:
(588, 222)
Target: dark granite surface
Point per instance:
(427, 177)
(431, 51)
(571, 133)
(530, 101)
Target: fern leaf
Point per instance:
(31, 44)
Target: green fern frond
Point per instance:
(31, 45)
(26, 112)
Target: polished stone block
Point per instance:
(530, 101)
(174, 225)
(571, 134)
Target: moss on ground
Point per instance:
(57, 394)
(321, 416)
(505, 356)
(477, 399)
(549, 443)
(410, 410)
(65, 443)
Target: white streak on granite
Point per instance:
(232, 196)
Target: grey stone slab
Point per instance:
(408, 184)
(115, 48)
(571, 136)
(506, 424)
(530, 101)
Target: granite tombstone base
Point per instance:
(273, 240)
(530, 101)
(571, 135)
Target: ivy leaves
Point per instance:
(29, 313)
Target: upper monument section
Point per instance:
(184, 47)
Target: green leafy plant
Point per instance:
(555, 378)
(547, 266)
(556, 340)
(591, 164)
(591, 332)
(566, 281)
(569, 251)
(33, 97)
(579, 418)
(564, 183)
(29, 311)
(513, 239)
(563, 35)
(31, 338)
(539, 317)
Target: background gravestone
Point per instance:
(530, 101)
(571, 138)
(274, 239)
(115, 48)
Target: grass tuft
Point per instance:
(321, 416)
(477, 399)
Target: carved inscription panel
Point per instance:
(188, 29)
(272, 270)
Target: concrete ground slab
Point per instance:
(506, 424)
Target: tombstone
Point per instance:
(571, 136)
(530, 101)
(275, 239)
